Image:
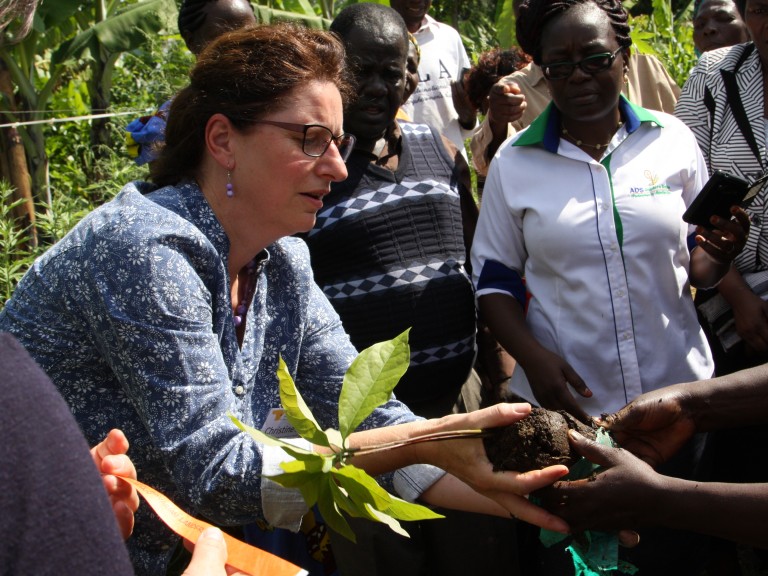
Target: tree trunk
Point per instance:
(14, 164)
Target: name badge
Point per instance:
(277, 425)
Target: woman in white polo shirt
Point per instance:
(586, 205)
(581, 258)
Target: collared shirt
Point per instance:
(443, 57)
(388, 251)
(130, 316)
(603, 249)
(706, 108)
(649, 86)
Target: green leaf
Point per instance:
(385, 518)
(409, 511)
(120, 33)
(348, 505)
(295, 479)
(334, 438)
(330, 511)
(296, 410)
(361, 487)
(300, 7)
(364, 489)
(266, 15)
(370, 379)
(259, 436)
(310, 491)
(318, 465)
(505, 24)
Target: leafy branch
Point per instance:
(330, 480)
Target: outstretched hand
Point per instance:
(466, 460)
(621, 495)
(111, 460)
(654, 426)
(506, 103)
(464, 108)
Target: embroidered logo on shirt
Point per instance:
(652, 189)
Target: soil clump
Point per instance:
(536, 441)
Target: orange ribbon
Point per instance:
(240, 555)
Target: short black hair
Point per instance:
(535, 14)
(367, 16)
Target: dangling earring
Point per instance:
(230, 189)
(626, 77)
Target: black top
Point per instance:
(56, 517)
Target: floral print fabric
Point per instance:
(130, 315)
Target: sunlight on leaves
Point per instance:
(296, 410)
(370, 379)
(259, 436)
(361, 487)
(328, 480)
(385, 518)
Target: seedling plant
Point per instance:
(329, 480)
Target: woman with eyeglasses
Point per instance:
(581, 259)
(169, 307)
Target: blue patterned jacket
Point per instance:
(130, 316)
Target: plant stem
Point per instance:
(435, 436)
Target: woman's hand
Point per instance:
(209, 556)
(110, 458)
(505, 492)
(654, 426)
(618, 497)
(728, 238)
(550, 376)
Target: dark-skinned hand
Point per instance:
(619, 496)
(506, 103)
(464, 107)
(550, 376)
(653, 426)
(728, 238)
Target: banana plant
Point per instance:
(329, 480)
(312, 13)
(68, 36)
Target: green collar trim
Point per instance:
(545, 129)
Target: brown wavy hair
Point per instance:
(245, 75)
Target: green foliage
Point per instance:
(68, 39)
(17, 253)
(668, 36)
(505, 24)
(329, 480)
(370, 379)
(15, 256)
(474, 19)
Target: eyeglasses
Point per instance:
(589, 65)
(317, 138)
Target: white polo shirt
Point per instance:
(443, 57)
(603, 250)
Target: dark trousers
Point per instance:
(462, 544)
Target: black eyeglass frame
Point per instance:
(611, 58)
(304, 128)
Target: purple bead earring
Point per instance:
(230, 190)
